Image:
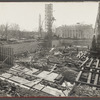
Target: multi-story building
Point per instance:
(78, 31)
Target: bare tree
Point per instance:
(15, 30)
(14, 27)
(8, 30)
(4, 31)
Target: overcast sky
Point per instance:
(27, 14)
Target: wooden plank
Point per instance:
(90, 71)
(87, 84)
(90, 74)
(79, 74)
(89, 77)
(81, 55)
(90, 62)
(97, 75)
(4, 60)
(84, 62)
(97, 63)
(96, 68)
(96, 80)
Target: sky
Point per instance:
(26, 14)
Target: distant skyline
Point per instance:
(26, 14)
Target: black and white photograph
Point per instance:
(50, 49)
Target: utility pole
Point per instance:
(40, 27)
(6, 32)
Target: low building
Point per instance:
(78, 31)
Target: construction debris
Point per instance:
(54, 69)
(85, 91)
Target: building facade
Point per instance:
(75, 31)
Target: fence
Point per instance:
(6, 55)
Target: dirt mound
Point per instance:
(69, 75)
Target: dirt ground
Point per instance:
(23, 47)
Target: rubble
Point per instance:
(45, 69)
(54, 85)
(69, 75)
(85, 91)
(12, 90)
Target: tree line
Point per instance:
(8, 31)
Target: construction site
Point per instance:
(47, 68)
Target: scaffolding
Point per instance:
(48, 24)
